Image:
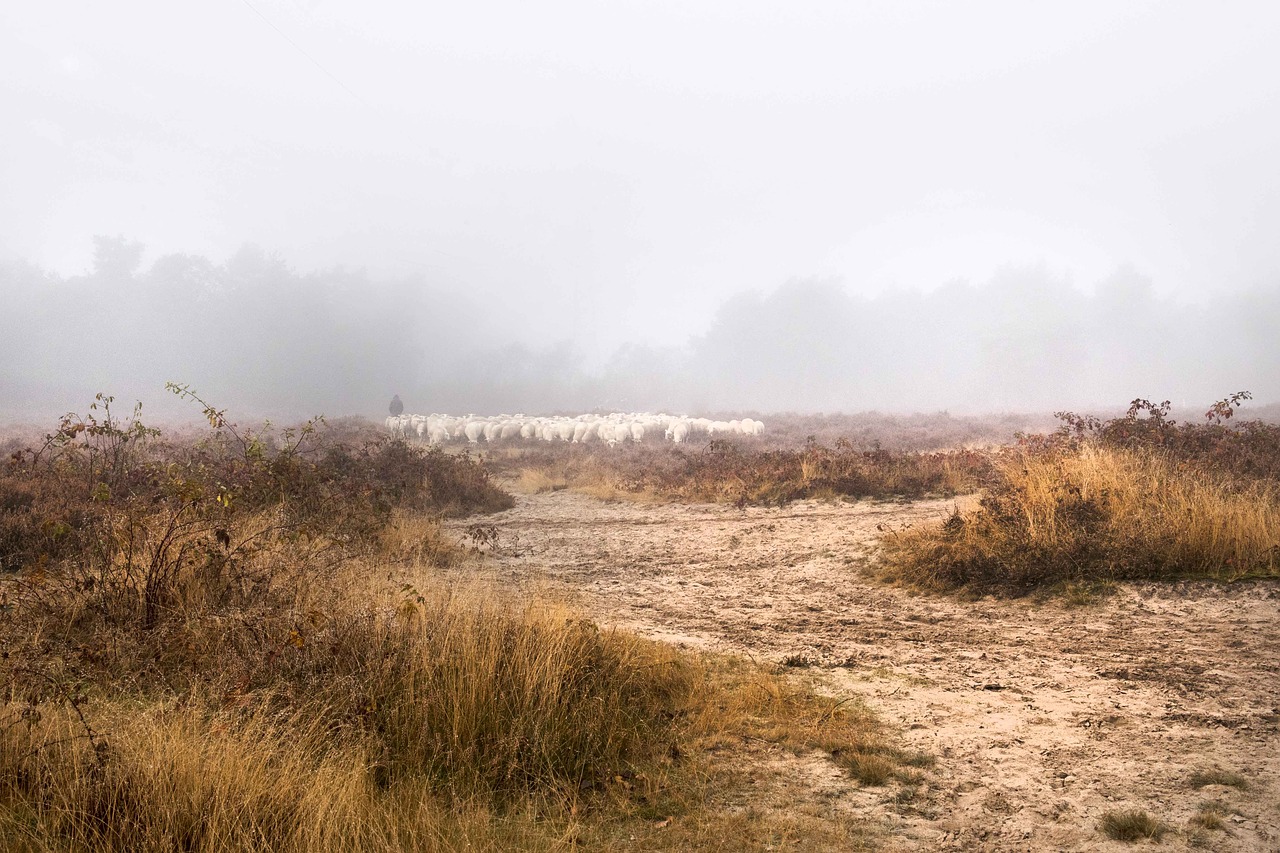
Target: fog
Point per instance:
(304, 206)
(252, 334)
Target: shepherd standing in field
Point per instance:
(396, 406)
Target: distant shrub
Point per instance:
(1229, 450)
(898, 433)
(95, 473)
(741, 472)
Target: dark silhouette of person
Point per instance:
(396, 406)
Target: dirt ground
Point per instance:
(1042, 716)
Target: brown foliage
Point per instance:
(93, 475)
(739, 471)
(240, 648)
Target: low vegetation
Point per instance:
(1204, 778)
(249, 641)
(99, 477)
(921, 432)
(1130, 498)
(1210, 816)
(743, 472)
(1133, 825)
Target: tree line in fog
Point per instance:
(260, 338)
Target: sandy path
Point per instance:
(1042, 717)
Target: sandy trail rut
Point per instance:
(1042, 717)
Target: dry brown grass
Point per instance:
(452, 719)
(177, 778)
(1097, 513)
(338, 681)
(248, 673)
(1210, 816)
(712, 798)
(1217, 776)
(1131, 826)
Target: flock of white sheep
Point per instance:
(611, 429)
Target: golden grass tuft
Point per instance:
(1096, 514)
(536, 481)
(486, 697)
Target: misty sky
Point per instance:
(614, 171)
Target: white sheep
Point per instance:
(612, 429)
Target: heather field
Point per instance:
(645, 426)
(851, 632)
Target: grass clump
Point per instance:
(1087, 510)
(1202, 778)
(1131, 826)
(1097, 514)
(1210, 816)
(472, 707)
(870, 768)
(487, 700)
(538, 481)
